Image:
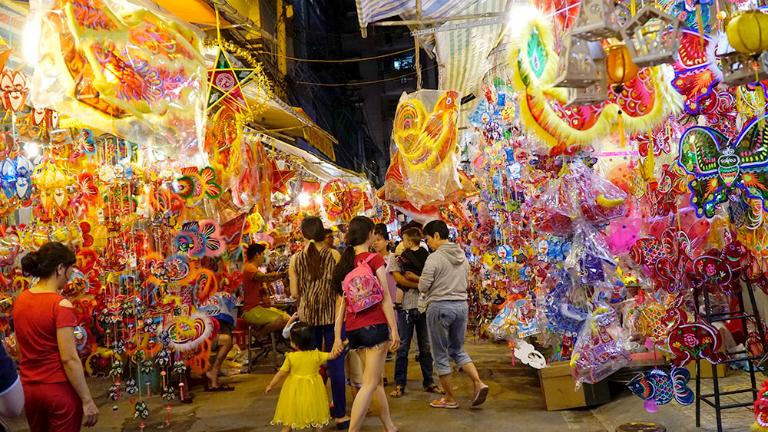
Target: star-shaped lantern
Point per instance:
(225, 84)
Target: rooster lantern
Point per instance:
(423, 171)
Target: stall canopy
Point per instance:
(288, 123)
(461, 33)
(322, 169)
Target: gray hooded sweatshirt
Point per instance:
(445, 273)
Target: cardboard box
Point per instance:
(558, 387)
(706, 369)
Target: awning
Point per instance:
(192, 11)
(462, 43)
(463, 49)
(288, 123)
(325, 171)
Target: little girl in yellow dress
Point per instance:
(303, 401)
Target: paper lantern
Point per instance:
(619, 65)
(597, 20)
(652, 37)
(748, 32)
(576, 67)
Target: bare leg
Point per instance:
(471, 372)
(225, 345)
(373, 364)
(274, 326)
(445, 383)
(285, 429)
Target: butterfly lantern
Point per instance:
(16, 177)
(722, 168)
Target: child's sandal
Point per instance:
(398, 392)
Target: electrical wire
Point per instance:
(351, 60)
(358, 83)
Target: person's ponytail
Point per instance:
(313, 262)
(43, 263)
(313, 230)
(360, 229)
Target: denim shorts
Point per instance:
(447, 322)
(368, 337)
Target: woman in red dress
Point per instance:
(56, 395)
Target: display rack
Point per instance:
(714, 399)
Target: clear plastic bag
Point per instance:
(122, 67)
(425, 136)
(601, 347)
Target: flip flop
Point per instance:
(480, 397)
(442, 403)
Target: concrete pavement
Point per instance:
(515, 404)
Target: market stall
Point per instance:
(608, 185)
(155, 156)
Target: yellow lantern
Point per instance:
(748, 32)
(619, 65)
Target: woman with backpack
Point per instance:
(369, 317)
(311, 273)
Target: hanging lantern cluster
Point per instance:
(649, 38)
(740, 69)
(597, 20)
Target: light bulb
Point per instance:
(31, 37)
(32, 150)
(304, 199)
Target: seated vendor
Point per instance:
(256, 308)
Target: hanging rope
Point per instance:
(358, 83)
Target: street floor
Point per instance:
(515, 404)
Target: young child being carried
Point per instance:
(411, 319)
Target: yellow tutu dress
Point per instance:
(303, 401)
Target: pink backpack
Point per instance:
(362, 288)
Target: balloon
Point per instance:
(650, 406)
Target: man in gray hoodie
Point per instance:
(444, 282)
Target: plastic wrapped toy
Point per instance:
(423, 171)
(122, 66)
(600, 349)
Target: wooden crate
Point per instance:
(706, 369)
(559, 389)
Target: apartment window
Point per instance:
(403, 62)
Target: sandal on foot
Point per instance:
(434, 389)
(480, 397)
(220, 388)
(398, 392)
(442, 403)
